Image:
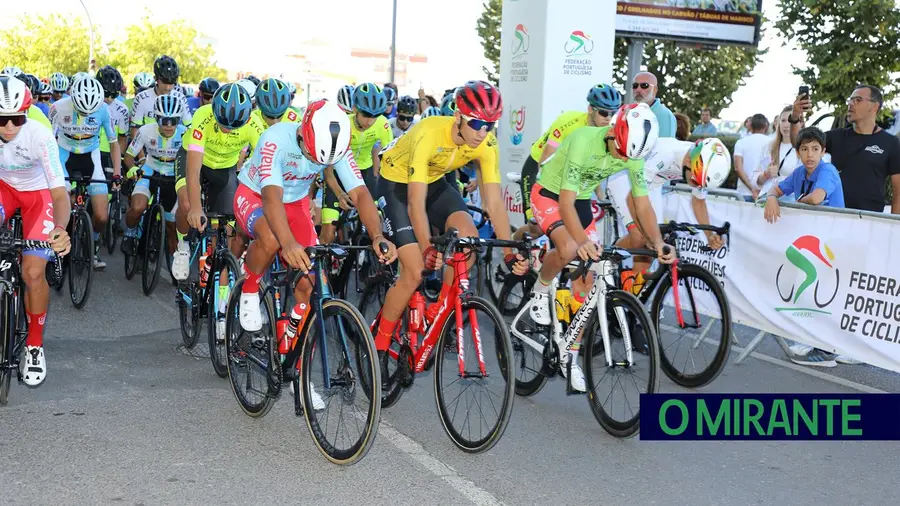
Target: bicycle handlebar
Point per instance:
(451, 240)
(613, 253)
(7, 243)
(672, 226)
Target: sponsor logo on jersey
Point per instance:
(153, 142)
(557, 133)
(198, 135)
(875, 150)
(267, 156)
(292, 116)
(67, 119)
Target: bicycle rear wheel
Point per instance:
(250, 356)
(369, 306)
(682, 355)
(217, 350)
(114, 224)
(624, 311)
(529, 362)
(81, 259)
(7, 342)
(481, 321)
(154, 245)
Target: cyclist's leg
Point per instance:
(447, 209)
(140, 197)
(99, 195)
(182, 256)
(248, 210)
(169, 201)
(618, 191)
(331, 211)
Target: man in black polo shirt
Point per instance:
(864, 154)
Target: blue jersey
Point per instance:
(76, 133)
(160, 150)
(193, 104)
(44, 108)
(278, 161)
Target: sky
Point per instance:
(448, 39)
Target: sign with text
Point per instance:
(733, 22)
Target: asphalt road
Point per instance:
(127, 417)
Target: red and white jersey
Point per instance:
(31, 160)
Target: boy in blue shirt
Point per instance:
(814, 182)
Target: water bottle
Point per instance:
(204, 269)
(286, 343)
(417, 312)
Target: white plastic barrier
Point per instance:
(826, 278)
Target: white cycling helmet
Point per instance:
(325, 132)
(59, 82)
(345, 98)
(87, 95)
(11, 71)
(144, 80)
(636, 130)
(46, 89)
(710, 163)
(249, 87)
(78, 76)
(432, 111)
(15, 97)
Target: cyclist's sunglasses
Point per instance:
(207, 97)
(159, 79)
(167, 122)
(17, 120)
(603, 112)
(477, 124)
(643, 86)
(368, 115)
(405, 118)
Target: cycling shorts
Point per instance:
(82, 165)
(617, 190)
(545, 205)
(167, 195)
(221, 183)
(530, 171)
(248, 208)
(331, 209)
(37, 214)
(441, 201)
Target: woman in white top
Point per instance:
(780, 158)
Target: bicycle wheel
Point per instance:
(495, 412)
(529, 361)
(154, 247)
(711, 317)
(188, 300)
(220, 295)
(7, 339)
(370, 303)
(81, 259)
(345, 352)
(114, 223)
(515, 294)
(622, 309)
(495, 273)
(250, 356)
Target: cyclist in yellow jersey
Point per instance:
(417, 196)
(369, 133)
(211, 150)
(273, 101)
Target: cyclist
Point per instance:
(293, 88)
(161, 142)
(250, 87)
(370, 132)
(345, 98)
(46, 96)
(561, 202)
(165, 73)
(208, 87)
(703, 164)
(431, 111)
(59, 83)
(406, 115)
(35, 112)
(31, 180)
(34, 86)
(211, 151)
(77, 122)
(448, 105)
(418, 196)
(11, 71)
(272, 201)
(111, 80)
(273, 101)
(390, 94)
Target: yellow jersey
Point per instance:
(220, 150)
(562, 126)
(362, 142)
(35, 114)
(289, 117)
(426, 152)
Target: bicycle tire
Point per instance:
(717, 364)
(7, 339)
(154, 243)
(232, 324)
(82, 245)
(114, 222)
(632, 426)
(218, 357)
(533, 386)
(373, 295)
(130, 266)
(512, 281)
(372, 371)
(504, 357)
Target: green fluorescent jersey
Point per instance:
(582, 162)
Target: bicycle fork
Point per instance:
(460, 266)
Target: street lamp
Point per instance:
(91, 24)
(394, 41)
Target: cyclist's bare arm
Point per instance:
(62, 206)
(646, 220)
(194, 161)
(547, 152)
(376, 161)
(368, 213)
(276, 216)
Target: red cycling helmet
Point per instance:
(636, 130)
(15, 97)
(479, 100)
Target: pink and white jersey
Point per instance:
(31, 160)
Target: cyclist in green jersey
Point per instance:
(561, 202)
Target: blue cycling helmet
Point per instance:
(370, 99)
(390, 95)
(273, 97)
(432, 111)
(209, 85)
(168, 106)
(231, 106)
(604, 96)
(448, 105)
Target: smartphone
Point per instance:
(804, 90)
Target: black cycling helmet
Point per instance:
(407, 105)
(253, 79)
(208, 86)
(111, 80)
(166, 69)
(31, 82)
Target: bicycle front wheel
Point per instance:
(474, 404)
(114, 223)
(81, 263)
(223, 286)
(153, 249)
(340, 383)
(251, 356)
(7, 341)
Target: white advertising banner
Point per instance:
(824, 279)
(549, 59)
(725, 22)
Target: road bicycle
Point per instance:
(462, 317)
(151, 248)
(334, 345)
(12, 300)
(114, 226)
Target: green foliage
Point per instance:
(848, 42)
(42, 45)
(488, 28)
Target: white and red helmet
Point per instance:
(636, 130)
(325, 132)
(710, 163)
(15, 97)
(479, 100)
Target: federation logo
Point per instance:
(516, 125)
(522, 41)
(579, 43)
(810, 263)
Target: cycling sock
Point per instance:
(35, 329)
(385, 334)
(542, 286)
(180, 236)
(576, 347)
(223, 298)
(96, 236)
(251, 283)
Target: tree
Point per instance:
(488, 28)
(178, 39)
(42, 45)
(847, 43)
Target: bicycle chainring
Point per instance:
(405, 373)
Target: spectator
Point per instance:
(683, 129)
(864, 154)
(744, 131)
(705, 128)
(814, 182)
(645, 88)
(779, 159)
(747, 154)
